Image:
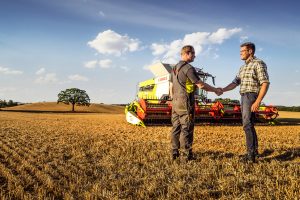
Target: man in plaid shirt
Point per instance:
(254, 82)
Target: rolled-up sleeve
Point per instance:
(237, 80)
(262, 73)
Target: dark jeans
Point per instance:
(248, 117)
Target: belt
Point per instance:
(242, 94)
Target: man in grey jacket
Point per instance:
(184, 79)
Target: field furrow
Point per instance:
(91, 156)
(30, 177)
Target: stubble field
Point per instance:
(101, 156)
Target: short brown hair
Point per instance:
(187, 48)
(249, 45)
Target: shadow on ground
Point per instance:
(289, 121)
(214, 154)
(289, 154)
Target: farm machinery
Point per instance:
(153, 104)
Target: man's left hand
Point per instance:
(255, 106)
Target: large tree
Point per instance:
(74, 96)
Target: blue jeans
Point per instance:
(248, 118)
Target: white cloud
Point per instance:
(5, 70)
(171, 52)
(110, 42)
(106, 63)
(40, 71)
(91, 64)
(47, 78)
(158, 49)
(222, 34)
(77, 77)
(197, 40)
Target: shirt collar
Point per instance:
(249, 59)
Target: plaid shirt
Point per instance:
(251, 75)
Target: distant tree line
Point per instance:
(280, 108)
(9, 103)
(227, 100)
(289, 108)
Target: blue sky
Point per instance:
(104, 47)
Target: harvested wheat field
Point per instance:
(100, 156)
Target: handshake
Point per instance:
(218, 91)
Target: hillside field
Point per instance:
(61, 107)
(100, 156)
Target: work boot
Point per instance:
(252, 157)
(256, 153)
(190, 156)
(175, 156)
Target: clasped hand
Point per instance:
(219, 91)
